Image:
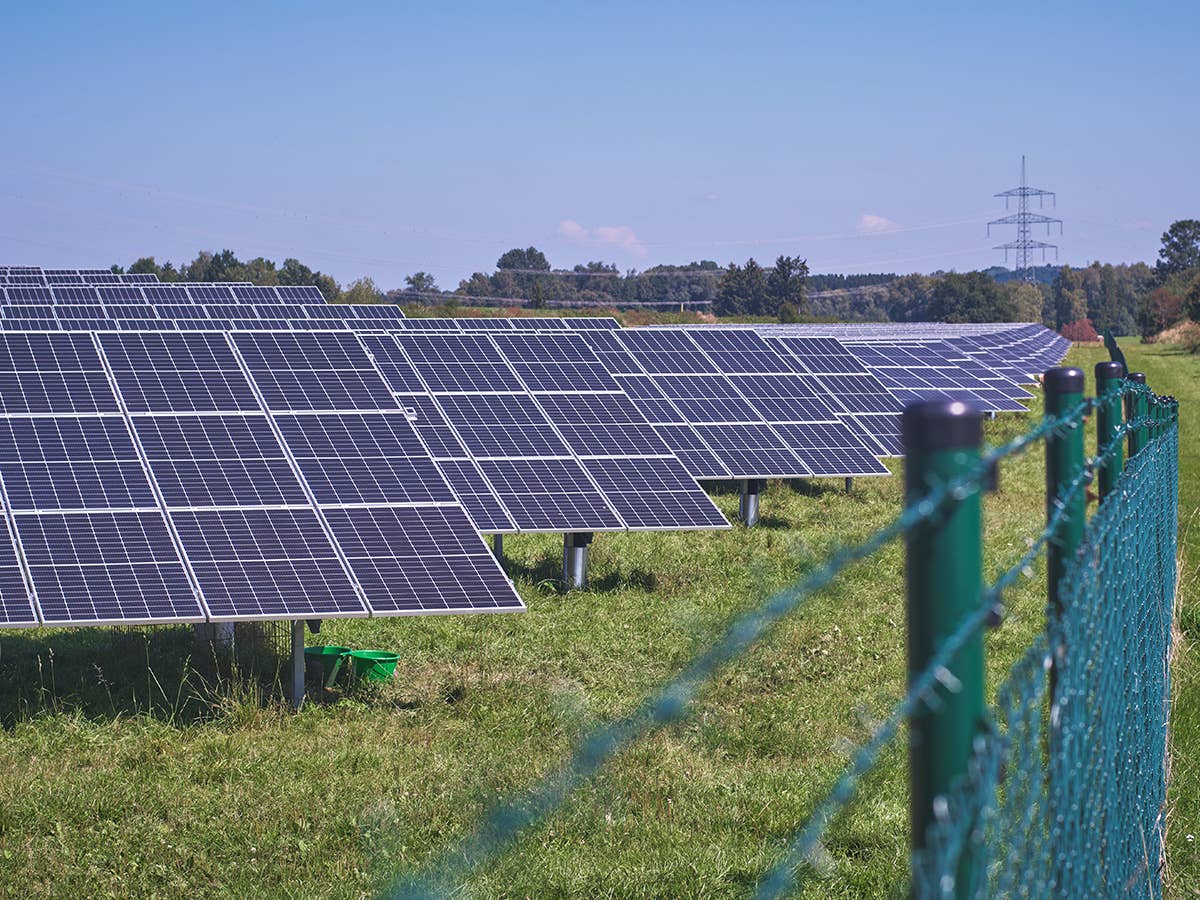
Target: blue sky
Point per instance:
(382, 138)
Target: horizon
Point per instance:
(377, 144)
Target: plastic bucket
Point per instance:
(326, 656)
(373, 665)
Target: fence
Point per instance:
(1056, 788)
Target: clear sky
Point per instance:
(382, 138)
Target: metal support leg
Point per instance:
(748, 502)
(849, 485)
(297, 663)
(575, 559)
(498, 547)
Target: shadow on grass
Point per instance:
(163, 672)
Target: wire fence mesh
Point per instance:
(1065, 789)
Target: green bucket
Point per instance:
(373, 665)
(328, 657)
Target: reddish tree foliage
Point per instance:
(1080, 330)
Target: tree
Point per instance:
(539, 296)
(1081, 331)
(144, 266)
(968, 297)
(1026, 301)
(786, 282)
(1192, 301)
(1159, 310)
(1070, 301)
(529, 258)
(421, 283)
(362, 291)
(1180, 248)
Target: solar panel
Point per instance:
(604, 428)
(71, 463)
(52, 373)
(217, 460)
(421, 560)
(177, 372)
(16, 606)
(861, 401)
(528, 467)
(363, 458)
(315, 370)
(266, 563)
(99, 568)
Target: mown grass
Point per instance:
(125, 772)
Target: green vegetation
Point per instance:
(124, 772)
(1126, 299)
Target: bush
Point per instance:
(1080, 330)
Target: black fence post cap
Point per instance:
(1137, 377)
(1063, 380)
(941, 425)
(1110, 370)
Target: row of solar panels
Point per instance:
(495, 411)
(34, 276)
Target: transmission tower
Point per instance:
(1024, 245)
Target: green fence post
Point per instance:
(944, 574)
(1064, 462)
(1108, 423)
(1137, 408)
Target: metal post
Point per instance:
(944, 573)
(1108, 423)
(1137, 408)
(1064, 462)
(297, 663)
(748, 502)
(498, 547)
(849, 484)
(575, 559)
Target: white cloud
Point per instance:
(621, 237)
(869, 223)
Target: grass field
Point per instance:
(123, 773)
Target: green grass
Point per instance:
(126, 773)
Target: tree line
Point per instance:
(1126, 299)
(225, 266)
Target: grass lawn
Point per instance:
(122, 773)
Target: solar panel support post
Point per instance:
(944, 581)
(748, 501)
(498, 547)
(849, 484)
(575, 559)
(297, 663)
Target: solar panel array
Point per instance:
(152, 477)
(224, 451)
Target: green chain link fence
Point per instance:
(1058, 788)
